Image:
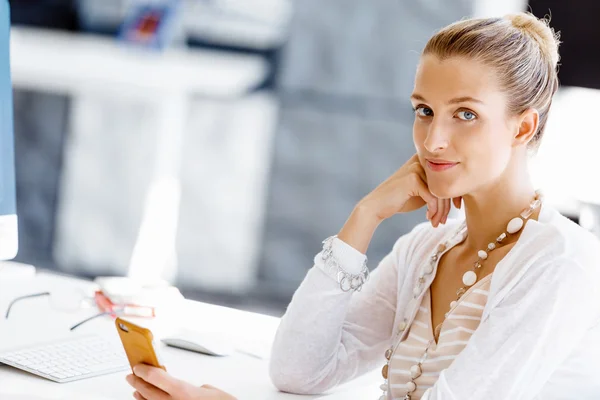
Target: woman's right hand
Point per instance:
(405, 191)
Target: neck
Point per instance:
(489, 210)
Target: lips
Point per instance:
(440, 165)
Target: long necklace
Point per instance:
(469, 279)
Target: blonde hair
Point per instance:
(521, 48)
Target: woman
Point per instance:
(504, 304)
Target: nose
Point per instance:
(437, 139)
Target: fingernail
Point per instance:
(136, 370)
(129, 378)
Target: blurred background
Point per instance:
(216, 143)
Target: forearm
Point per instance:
(329, 336)
(359, 228)
(309, 353)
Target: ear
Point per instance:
(527, 124)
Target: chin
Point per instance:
(445, 189)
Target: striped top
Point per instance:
(537, 338)
(455, 332)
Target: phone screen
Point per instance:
(8, 208)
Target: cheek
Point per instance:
(488, 149)
(419, 135)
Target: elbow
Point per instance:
(294, 368)
(288, 379)
(285, 378)
(286, 371)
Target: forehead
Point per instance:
(454, 77)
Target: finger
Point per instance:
(213, 393)
(418, 169)
(432, 208)
(432, 202)
(130, 379)
(138, 396)
(443, 210)
(440, 213)
(148, 391)
(457, 202)
(432, 215)
(447, 208)
(207, 386)
(157, 377)
(423, 192)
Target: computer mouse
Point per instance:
(214, 344)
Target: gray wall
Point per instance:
(346, 123)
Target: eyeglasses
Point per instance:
(73, 301)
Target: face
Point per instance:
(461, 131)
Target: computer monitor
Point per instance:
(9, 242)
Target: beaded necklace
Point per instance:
(469, 279)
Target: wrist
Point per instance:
(359, 228)
(342, 263)
(366, 214)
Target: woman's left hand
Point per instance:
(153, 383)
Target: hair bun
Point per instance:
(540, 31)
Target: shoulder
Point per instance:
(561, 257)
(555, 237)
(555, 261)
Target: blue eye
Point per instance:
(423, 111)
(466, 115)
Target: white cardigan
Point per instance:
(539, 336)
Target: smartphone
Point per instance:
(9, 235)
(138, 343)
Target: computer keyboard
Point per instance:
(69, 359)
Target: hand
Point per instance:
(405, 191)
(153, 383)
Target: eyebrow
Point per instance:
(463, 99)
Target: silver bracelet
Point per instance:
(346, 280)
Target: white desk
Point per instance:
(244, 376)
